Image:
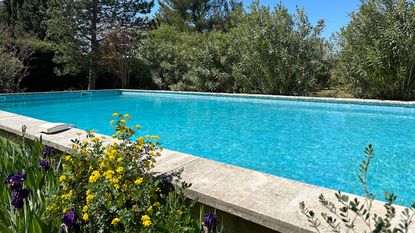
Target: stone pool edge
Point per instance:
(396, 103)
(264, 199)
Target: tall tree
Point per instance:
(78, 28)
(24, 15)
(196, 15)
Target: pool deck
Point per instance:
(265, 199)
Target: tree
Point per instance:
(377, 50)
(117, 53)
(78, 27)
(196, 15)
(15, 57)
(24, 15)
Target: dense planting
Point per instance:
(95, 189)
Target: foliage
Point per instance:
(353, 213)
(33, 217)
(112, 188)
(26, 16)
(279, 53)
(376, 50)
(78, 42)
(270, 52)
(196, 15)
(15, 57)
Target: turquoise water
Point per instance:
(318, 143)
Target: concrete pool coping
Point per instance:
(264, 199)
(77, 93)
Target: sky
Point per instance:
(334, 12)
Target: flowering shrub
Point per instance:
(111, 188)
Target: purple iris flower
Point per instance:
(70, 220)
(15, 180)
(210, 221)
(48, 151)
(44, 164)
(18, 198)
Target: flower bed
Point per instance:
(98, 188)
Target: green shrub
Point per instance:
(267, 51)
(376, 58)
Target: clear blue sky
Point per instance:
(334, 12)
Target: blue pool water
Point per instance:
(319, 143)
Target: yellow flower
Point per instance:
(117, 186)
(102, 164)
(138, 126)
(89, 198)
(140, 140)
(109, 153)
(155, 137)
(156, 204)
(64, 210)
(115, 221)
(111, 122)
(120, 170)
(179, 212)
(115, 114)
(68, 158)
(85, 217)
(85, 142)
(147, 223)
(127, 116)
(62, 178)
(94, 177)
(115, 180)
(138, 181)
(85, 208)
(120, 159)
(145, 219)
(95, 139)
(150, 209)
(108, 174)
(74, 147)
(123, 121)
(67, 196)
(88, 192)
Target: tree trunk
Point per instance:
(94, 47)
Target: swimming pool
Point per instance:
(316, 142)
